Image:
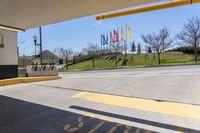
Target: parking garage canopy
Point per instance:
(25, 14)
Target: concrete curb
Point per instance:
(132, 67)
(13, 81)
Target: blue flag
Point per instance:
(104, 40)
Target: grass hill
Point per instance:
(106, 62)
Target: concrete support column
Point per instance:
(8, 54)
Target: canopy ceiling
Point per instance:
(27, 14)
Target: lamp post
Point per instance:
(35, 42)
(41, 60)
(40, 44)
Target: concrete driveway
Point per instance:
(164, 99)
(177, 84)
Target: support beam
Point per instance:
(161, 6)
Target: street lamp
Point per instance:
(35, 41)
(35, 38)
(40, 44)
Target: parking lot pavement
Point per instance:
(86, 102)
(24, 117)
(31, 108)
(176, 84)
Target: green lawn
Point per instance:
(135, 60)
(99, 64)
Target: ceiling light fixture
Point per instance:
(11, 28)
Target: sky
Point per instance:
(77, 33)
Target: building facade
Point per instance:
(8, 54)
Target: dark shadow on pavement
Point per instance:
(17, 116)
(142, 121)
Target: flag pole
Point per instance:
(125, 43)
(101, 41)
(111, 39)
(107, 41)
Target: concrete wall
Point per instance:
(8, 55)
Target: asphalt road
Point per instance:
(164, 99)
(177, 84)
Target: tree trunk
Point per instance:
(196, 59)
(66, 63)
(125, 59)
(195, 55)
(158, 58)
(93, 66)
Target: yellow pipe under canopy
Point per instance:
(160, 6)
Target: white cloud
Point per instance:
(98, 23)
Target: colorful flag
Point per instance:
(122, 34)
(116, 36)
(128, 32)
(104, 40)
(111, 38)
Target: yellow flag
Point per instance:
(128, 32)
(122, 36)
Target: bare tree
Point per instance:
(53, 56)
(20, 48)
(66, 54)
(92, 50)
(190, 35)
(158, 42)
(24, 60)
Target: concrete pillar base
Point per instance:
(8, 71)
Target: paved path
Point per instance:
(115, 101)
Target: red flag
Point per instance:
(116, 36)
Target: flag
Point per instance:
(102, 39)
(116, 36)
(122, 32)
(128, 32)
(106, 40)
(111, 38)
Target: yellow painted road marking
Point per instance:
(91, 116)
(128, 128)
(73, 129)
(137, 131)
(14, 81)
(97, 127)
(66, 127)
(114, 128)
(169, 108)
